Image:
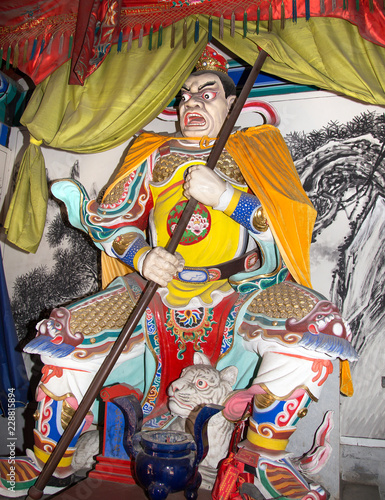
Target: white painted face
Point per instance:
(203, 107)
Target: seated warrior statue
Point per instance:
(251, 229)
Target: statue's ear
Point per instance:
(201, 359)
(229, 374)
(230, 100)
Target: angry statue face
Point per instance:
(204, 106)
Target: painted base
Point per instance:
(110, 469)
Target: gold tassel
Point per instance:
(129, 41)
(371, 5)
(270, 23)
(25, 52)
(172, 41)
(322, 6)
(184, 43)
(334, 4)
(282, 16)
(232, 24)
(221, 27)
(15, 61)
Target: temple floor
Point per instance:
(95, 489)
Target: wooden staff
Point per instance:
(36, 491)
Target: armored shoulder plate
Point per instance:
(167, 164)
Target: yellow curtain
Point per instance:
(27, 211)
(128, 91)
(328, 53)
(131, 88)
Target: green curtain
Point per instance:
(131, 88)
(128, 91)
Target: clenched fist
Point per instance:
(204, 185)
(161, 265)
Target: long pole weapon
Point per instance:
(35, 492)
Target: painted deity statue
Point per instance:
(250, 231)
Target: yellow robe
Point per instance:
(266, 164)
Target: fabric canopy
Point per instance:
(120, 97)
(38, 37)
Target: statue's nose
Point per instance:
(194, 101)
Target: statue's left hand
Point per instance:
(204, 185)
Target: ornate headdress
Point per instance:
(211, 60)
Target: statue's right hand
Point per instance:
(160, 266)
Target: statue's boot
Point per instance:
(271, 425)
(18, 474)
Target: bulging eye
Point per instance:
(201, 384)
(208, 95)
(185, 97)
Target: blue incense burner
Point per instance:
(166, 461)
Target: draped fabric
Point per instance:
(121, 97)
(129, 91)
(13, 378)
(36, 40)
(38, 37)
(270, 172)
(324, 52)
(27, 212)
(115, 102)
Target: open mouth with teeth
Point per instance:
(332, 325)
(194, 120)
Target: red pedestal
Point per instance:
(111, 469)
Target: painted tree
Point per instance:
(73, 275)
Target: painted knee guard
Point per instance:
(271, 425)
(52, 418)
(274, 421)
